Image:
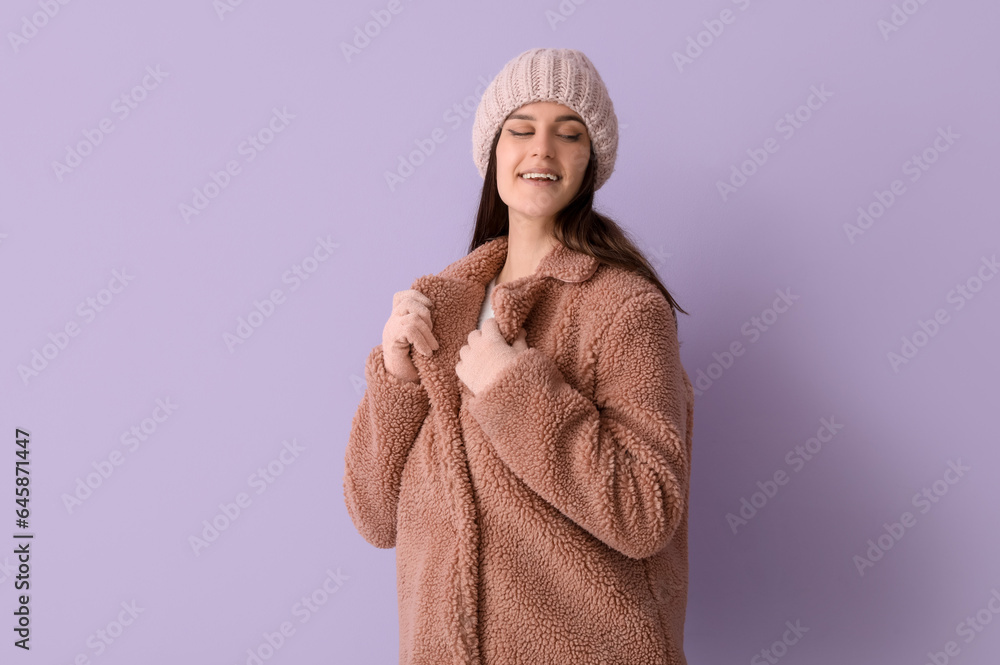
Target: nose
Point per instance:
(542, 143)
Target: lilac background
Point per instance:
(300, 375)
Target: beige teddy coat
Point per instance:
(543, 520)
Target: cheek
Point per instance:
(579, 161)
(506, 157)
(507, 161)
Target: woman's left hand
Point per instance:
(486, 355)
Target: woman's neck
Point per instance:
(524, 253)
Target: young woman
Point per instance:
(524, 440)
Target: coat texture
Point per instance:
(543, 520)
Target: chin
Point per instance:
(525, 205)
(533, 212)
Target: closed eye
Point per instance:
(573, 137)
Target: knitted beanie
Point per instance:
(565, 76)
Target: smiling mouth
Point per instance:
(532, 176)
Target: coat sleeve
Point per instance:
(618, 465)
(383, 430)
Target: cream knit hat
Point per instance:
(565, 76)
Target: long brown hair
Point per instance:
(577, 226)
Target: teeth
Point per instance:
(540, 175)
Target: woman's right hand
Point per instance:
(408, 325)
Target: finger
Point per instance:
(400, 344)
(429, 333)
(488, 329)
(408, 321)
(405, 302)
(520, 341)
(425, 331)
(496, 333)
(420, 296)
(410, 306)
(399, 296)
(416, 301)
(414, 330)
(414, 305)
(422, 339)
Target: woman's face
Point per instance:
(542, 137)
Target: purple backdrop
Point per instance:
(207, 206)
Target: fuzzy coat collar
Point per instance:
(458, 290)
(457, 294)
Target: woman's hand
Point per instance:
(486, 355)
(408, 325)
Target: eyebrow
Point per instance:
(522, 116)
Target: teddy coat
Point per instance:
(543, 520)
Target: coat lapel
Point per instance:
(457, 292)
